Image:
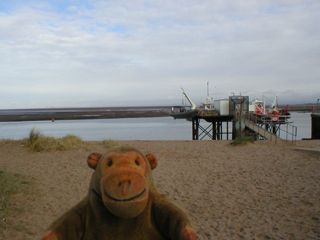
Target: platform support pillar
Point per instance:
(214, 131)
(315, 125)
(219, 130)
(195, 129)
(227, 130)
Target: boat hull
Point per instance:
(271, 117)
(184, 115)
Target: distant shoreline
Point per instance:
(50, 114)
(46, 114)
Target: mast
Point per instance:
(274, 105)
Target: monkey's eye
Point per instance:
(110, 163)
(137, 162)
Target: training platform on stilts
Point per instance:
(234, 117)
(214, 130)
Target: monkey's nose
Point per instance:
(128, 182)
(125, 187)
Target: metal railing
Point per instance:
(289, 134)
(290, 131)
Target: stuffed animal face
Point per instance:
(125, 180)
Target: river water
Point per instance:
(164, 128)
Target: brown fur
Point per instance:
(122, 203)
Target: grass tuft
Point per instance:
(7, 141)
(72, 142)
(242, 141)
(109, 143)
(37, 142)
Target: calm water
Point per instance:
(165, 128)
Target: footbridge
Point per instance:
(262, 131)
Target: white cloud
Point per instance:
(138, 51)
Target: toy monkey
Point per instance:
(122, 203)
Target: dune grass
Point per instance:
(242, 141)
(10, 185)
(37, 142)
(109, 143)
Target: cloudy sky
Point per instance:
(77, 53)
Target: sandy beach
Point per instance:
(259, 191)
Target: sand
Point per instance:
(259, 191)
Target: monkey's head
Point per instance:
(123, 179)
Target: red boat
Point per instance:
(273, 113)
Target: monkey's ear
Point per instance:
(93, 160)
(49, 236)
(152, 160)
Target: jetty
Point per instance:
(236, 116)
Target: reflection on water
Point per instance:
(165, 128)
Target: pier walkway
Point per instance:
(262, 131)
(266, 129)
